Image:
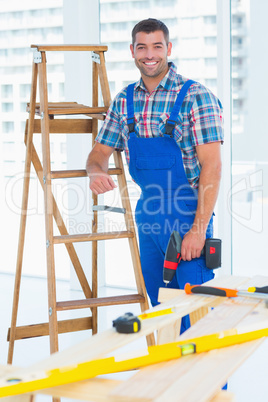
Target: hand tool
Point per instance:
(263, 289)
(129, 323)
(209, 290)
(212, 252)
(36, 380)
(108, 208)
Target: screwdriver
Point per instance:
(254, 292)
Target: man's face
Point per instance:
(150, 52)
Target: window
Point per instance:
(210, 40)
(210, 62)
(25, 90)
(210, 19)
(7, 107)
(7, 91)
(8, 127)
(249, 139)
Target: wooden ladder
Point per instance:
(46, 125)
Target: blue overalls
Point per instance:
(167, 202)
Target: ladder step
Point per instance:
(64, 326)
(63, 174)
(99, 302)
(92, 48)
(56, 108)
(92, 237)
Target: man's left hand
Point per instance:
(192, 245)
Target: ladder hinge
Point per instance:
(47, 243)
(95, 57)
(44, 179)
(37, 57)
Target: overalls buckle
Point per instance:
(131, 124)
(170, 125)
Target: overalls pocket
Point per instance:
(156, 171)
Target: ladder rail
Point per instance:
(23, 217)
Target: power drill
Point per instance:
(212, 251)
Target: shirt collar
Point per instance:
(166, 82)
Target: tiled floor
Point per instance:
(248, 382)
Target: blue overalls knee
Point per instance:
(167, 202)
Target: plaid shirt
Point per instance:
(200, 119)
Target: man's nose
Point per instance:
(149, 54)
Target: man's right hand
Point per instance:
(97, 168)
(101, 182)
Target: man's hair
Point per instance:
(150, 25)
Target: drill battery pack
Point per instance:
(213, 253)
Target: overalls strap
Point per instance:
(173, 119)
(130, 108)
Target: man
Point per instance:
(173, 151)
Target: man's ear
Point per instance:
(132, 50)
(169, 47)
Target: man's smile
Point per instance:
(150, 63)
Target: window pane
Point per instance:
(249, 138)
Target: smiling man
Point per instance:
(171, 129)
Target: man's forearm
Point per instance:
(97, 168)
(96, 163)
(209, 183)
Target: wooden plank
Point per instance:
(23, 217)
(70, 108)
(95, 217)
(98, 302)
(19, 398)
(6, 370)
(95, 390)
(63, 174)
(77, 110)
(169, 333)
(224, 396)
(189, 379)
(230, 282)
(198, 314)
(166, 381)
(104, 83)
(67, 48)
(48, 210)
(64, 326)
(99, 389)
(103, 343)
(96, 116)
(91, 237)
(65, 126)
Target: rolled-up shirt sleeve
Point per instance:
(206, 118)
(110, 132)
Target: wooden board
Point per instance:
(97, 390)
(192, 366)
(199, 377)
